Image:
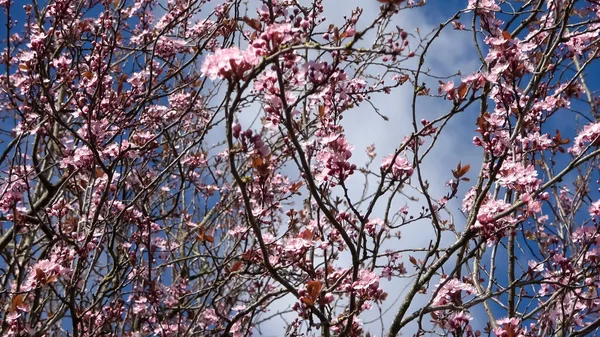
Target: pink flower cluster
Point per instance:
(12, 191)
(514, 175)
(394, 266)
(451, 291)
(535, 141)
(367, 286)
(509, 327)
(484, 5)
(231, 63)
(333, 160)
(401, 167)
(44, 272)
(458, 320)
(594, 209)
(487, 226)
(589, 134)
(469, 199)
(275, 36)
(373, 226)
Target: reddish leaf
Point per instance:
(313, 288)
(236, 266)
(480, 124)
(460, 170)
(247, 255)
(16, 302)
(203, 237)
(559, 140)
(307, 300)
(462, 91)
(99, 173)
(40, 275)
(307, 234)
(259, 163)
(295, 187)
(464, 170)
(254, 23)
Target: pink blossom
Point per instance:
(229, 63)
(445, 87)
(594, 208)
(373, 225)
(476, 80)
(486, 225)
(533, 204)
(238, 330)
(44, 272)
(350, 32)
(367, 285)
(536, 141)
(279, 34)
(451, 291)
(468, 200)
(13, 316)
(578, 42)
(458, 25)
(458, 320)
(589, 134)
(565, 199)
(298, 245)
(82, 157)
(483, 5)
(208, 317)
(37, 40)
(333, 159)
(367, 279)
(509, 327)
(139, 305)
(12, 191)
(535, 266)
(401, 167)
(62, 62)
(168, 47)
(515, 175)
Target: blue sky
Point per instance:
(447, 56)
(452, 52)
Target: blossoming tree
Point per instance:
(183, 168)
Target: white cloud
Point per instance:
(449, 53)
